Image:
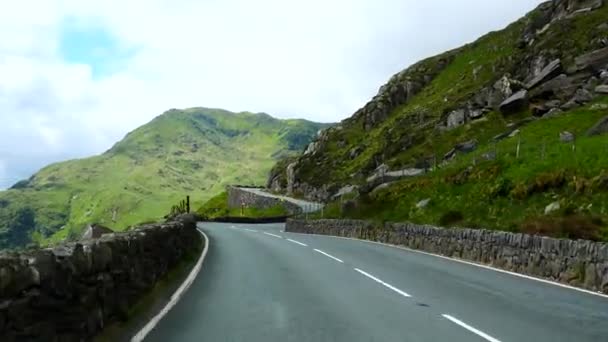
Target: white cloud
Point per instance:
(316, 59)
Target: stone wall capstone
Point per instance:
(70, 292)
(238, 197)
(579, 263)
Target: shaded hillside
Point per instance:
(439, 143)
(194, 151)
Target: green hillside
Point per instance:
(454, 117)
(192, 152)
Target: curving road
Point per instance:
(307, 206)
(261, 284)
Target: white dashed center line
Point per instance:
(277, 236)
(328, 255)
(471, 329)
(251, 230)
(297, 242)
(383, 283)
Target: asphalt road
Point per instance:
(257, 285)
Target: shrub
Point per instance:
(450, 218)
(574, 226)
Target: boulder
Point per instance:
(467, 146)
(451, 154)
(348, 189)
(555, 206)
(552, 70)
(541, 109)
(602, 89)
(553, 113)
(456, 118)
(562, 87)
(423, 204)
(489, 155)
(95, 231)
(582, 96)
(517, 102)
(355, 152)
(604, 76)
(514, 133)
(570, 105)
(601, 127)
(312, 148)
(599, 106)
(566, 137)
(594, 60)
(381, 187)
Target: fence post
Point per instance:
(188, 204)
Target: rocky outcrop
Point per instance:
(72, 291)
(594, 61)
(579, 263)
(601, 127)
(399, 90)
(550, 71)
(516, 103)
(544, 74)
(94, 231)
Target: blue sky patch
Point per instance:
(93, 45)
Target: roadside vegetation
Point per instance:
(513, 191)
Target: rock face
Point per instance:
(399, 90)
(71, 291)
(595, 60)
(602, 89)
(553, 207)
(550, 71)
(566, 137)
(515, 103)
(555, 259)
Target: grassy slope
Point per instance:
(499, 194)
(195, 151)
(508, 192)
(217, 206)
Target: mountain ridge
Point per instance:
(194, 151)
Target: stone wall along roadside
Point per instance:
(70, 292)
(238, 197)
(578, 263)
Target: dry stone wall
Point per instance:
(579, 263)
(238, 197)
(72, 291)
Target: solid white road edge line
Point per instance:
(277, 236)
(471, 329)
(140, 335)
(599, 294)
(328, 255)
(383, 283)
(297, 242)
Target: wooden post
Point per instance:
(187, 204)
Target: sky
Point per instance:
(76, 76)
